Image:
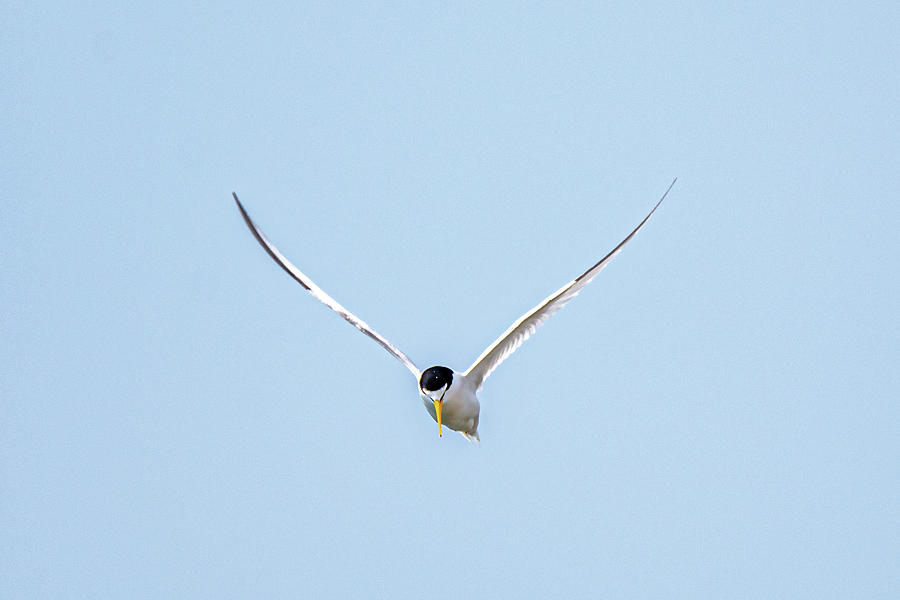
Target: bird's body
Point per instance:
(451, 397)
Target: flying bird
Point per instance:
(451, 397)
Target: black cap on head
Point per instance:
(435, 378)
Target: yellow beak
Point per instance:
(438, 406)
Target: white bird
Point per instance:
(451, 397)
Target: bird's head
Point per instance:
(434, 383)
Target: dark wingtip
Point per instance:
(668, 189)
(666, 193)
(243, 212)
(248, 220)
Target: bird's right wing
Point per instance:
(528, 323)
(321, 296)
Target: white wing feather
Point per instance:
(523, 328)
(321, 296)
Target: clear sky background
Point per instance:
(715, 416)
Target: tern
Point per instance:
(451, 397)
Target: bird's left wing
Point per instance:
(320, 295)
(522, 329)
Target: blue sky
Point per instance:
(716, 415)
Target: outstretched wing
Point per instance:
(320, 295)
(522, 329)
